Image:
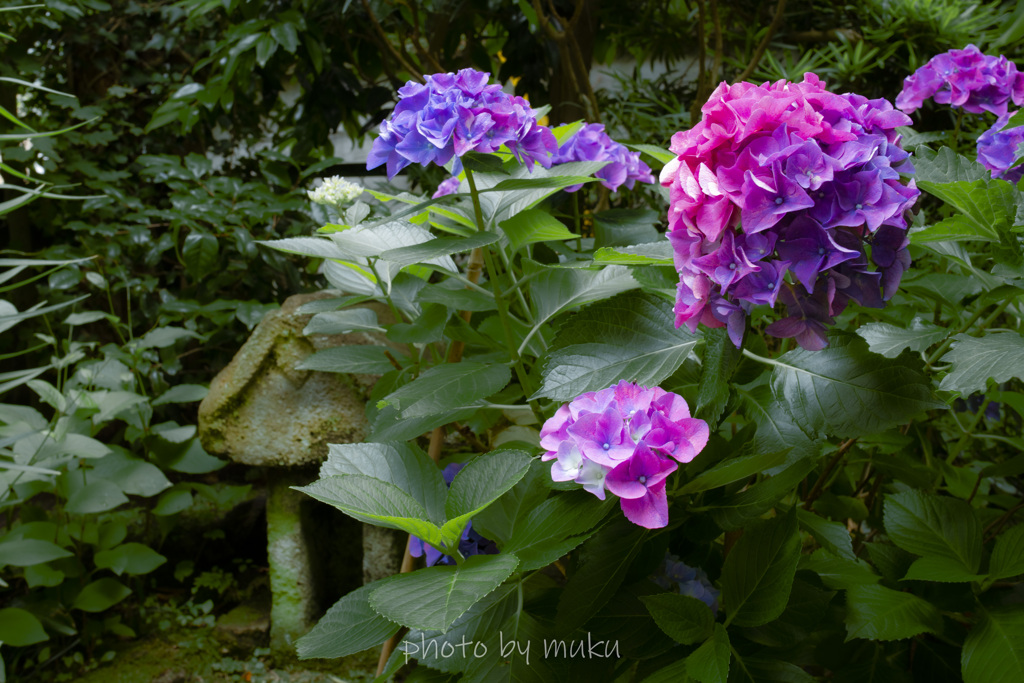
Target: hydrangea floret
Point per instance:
(455, 113)
(470, 543)
(998, 149)
(965, 78)
(591, 143)
(335, 191)
(786, 191)
(625, 439)
(676, 575)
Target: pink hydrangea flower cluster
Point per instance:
(787, 178)
(965, 78)
(452, 114)
(626, 439)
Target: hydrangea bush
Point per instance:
(603, 432)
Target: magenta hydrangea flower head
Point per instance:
(625, 439)
(591, 143)
(998, 149)
(778, 193)
(455, 113)
(964, 78)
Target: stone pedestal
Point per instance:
(263, 411)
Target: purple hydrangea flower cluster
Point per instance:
(965, 78)
(626, 439)
(591, 143)
(677, 576)
(787, 178)
(452, 114)
(471, 542)
(998, 149)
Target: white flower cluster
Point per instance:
(335, 191)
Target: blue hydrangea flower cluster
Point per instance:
(675, 575)
(998, 149)
(591, 143)
(964, 78)
(452, 114)
(471, 542)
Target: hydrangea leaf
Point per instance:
(19, 628)
(447, 387)
(739, 509)
(479, 623)
(994, 649)
(628, 336)
(998, 355)
(684, 618)
(350, 626)
(845, 390)
(479, 484)
(838, 572)
(945, 166)
(891, 340)
(879, 613)
(719, 362)
(376, 502)
(653, 253)
(370, 360)
(776, 429)
(555, 527)
(520, 661)
(832, 536)
(343, 322)
(956, 227)
(935, 526)
(531, 226)
(709, 663)
(433, 598)
(1008, 554)
(556, 290)
(436, 248)
(626, 227)
(758, 573)
(735, 469)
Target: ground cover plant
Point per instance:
(632, 473)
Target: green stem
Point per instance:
(502, 304)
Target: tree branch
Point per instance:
(759, 52)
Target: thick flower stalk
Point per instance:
(787, 191)
(452, 114)
(470, 543)
(998, 149)
(591, 143)
(625, 439)
(964, 78)
(675, 575)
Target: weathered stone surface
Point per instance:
(382, 552)
(246, 627)
(261, 410)
(294, 607)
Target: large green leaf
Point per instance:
(890, 340)
(343, 322)
(879, 613)
(24, 552)
(994, 649)
(631, 336)
(832, 536)
(369, 360)
(401, 464)
(377, 502)
(684, 618)
(1007, 558)
(758, 573)
(936, 527)
(475, 626)
(531, 226)
(734, 469)
(997, 355)
(945, 166)
(508, 513)
(720, 360)
(130, 558)
(555, 527)
(776, 429)
(846, 390)
(99, 495)
(555, 290)
(478, 485)
(434, 597)
(349, 626)
(739, 509)
(450, 386)
(100, 595)
(709, 663)
(604, 560)
(839, 572)
(435, 248)
(19, 628)
(513, 654)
